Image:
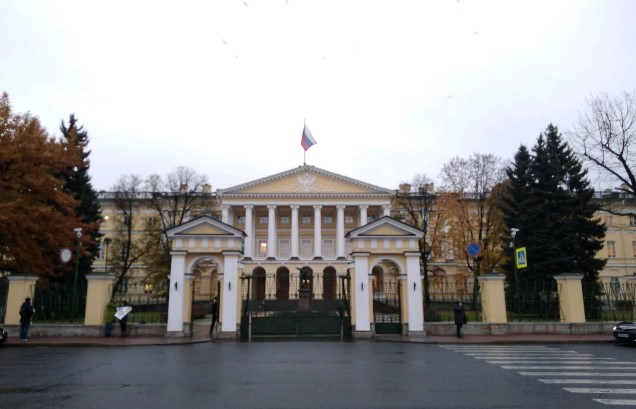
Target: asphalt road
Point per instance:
(361, 374)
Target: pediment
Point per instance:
(205, 226)
(306, 181)
(386, 227)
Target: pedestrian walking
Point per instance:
(26, 315)
(460, 318)
(214, 309)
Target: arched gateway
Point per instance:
(335, 229)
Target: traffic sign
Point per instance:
(521, 258)
(473, 249)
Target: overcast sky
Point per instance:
(389, 89)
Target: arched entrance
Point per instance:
(329, 284)
(205, 288)
(282, 283)
(387, 305)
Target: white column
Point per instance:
(386, 210)
(176, 288)
(414, 297)
(225, 214)
(363, 214)
(340, 243)
(271, 232)
(360, 285)
(294, 231)
(249, 230)
(231, 290)
(317, 232)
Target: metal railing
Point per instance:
(149, 302)
(609, 301)
(533, 300)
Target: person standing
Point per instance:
(215, 313)
(460, 318)
(123, 321)
(26, 315)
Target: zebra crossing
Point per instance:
(607, 380)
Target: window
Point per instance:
(370, 219)
(284, 219)
(634, 248)
(327, 219)
(306, 219)
(611, 249)
(348, 219)
(632, 220)
(152, 222)
(262, 248)
(284, 249)
(240, 219)
(609, 220)
(328, 248)
(305, 248)
(262, 219)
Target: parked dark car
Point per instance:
(3, 335)
(625, 332)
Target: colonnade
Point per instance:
(228, 212)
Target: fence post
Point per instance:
(20, 287)
(630, 284)
(570, 297)
(493, 298)
(97, 297)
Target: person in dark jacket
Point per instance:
(460, 318)
(214, 309)
(26, 315)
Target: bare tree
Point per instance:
(605, 137)
(183, 194)
(128, 246)
(415, 204)
(469, 201)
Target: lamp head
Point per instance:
(78, 232)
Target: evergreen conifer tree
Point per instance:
(550, 202)
(78, 182)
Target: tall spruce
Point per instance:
(78, 183)
(550, 202)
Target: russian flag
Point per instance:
(307, 140)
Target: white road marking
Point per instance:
(569, 367)
(569, 361)
(624, 402)
(609, 374)
(592, 381)
(601, 390)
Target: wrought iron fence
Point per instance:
(444, 292)
(262, 297)
(609, 301)
(59, 302)
(536, 300)
(149, 302)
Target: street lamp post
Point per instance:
(107, 242)
(513, 233)
(78, 233)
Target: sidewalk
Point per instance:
(13, 341)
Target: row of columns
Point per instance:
(294, 251)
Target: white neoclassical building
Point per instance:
(335, 227)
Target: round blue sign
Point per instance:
(473, 249)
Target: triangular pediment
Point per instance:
(306, 181)
(205, 226)
(386, 227)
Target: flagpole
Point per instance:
(304, 150)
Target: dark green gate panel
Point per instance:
(388, 328)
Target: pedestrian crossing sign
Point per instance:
(521, 259)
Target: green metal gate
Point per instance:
(387, 307)
(270, 312)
